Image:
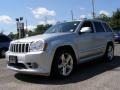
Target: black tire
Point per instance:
(55, 70)
(107, 56)
(2, 53)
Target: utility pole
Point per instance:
(26, 31)
(72, 16)
(93, 7)
(26, 24)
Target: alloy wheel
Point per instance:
(110, 53)
(65, 64)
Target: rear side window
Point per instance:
(99, 27)
(106, 26)
(4, 38)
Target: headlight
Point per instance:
(37, 46)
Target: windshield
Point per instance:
(63, 27)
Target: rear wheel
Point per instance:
(63, 63)
(109, 54)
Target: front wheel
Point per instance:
(63, 63)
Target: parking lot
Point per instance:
(96, 75)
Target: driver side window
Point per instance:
(87, 24)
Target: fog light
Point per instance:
(32, 65)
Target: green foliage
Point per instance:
(41, 28)
(30, 33)
(103, 17)
(38, 30)
(114, 20)
(12, 36)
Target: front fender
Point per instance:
(59, 43)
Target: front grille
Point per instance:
(20, 48)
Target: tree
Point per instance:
(103, 17)
(11, 35)
(42, 28)
(31, 33)
(115, 20)
(39, 30)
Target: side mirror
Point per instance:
(86, 30)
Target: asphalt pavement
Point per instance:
(95, 75)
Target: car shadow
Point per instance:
(85, 71)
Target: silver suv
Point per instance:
(61, 48)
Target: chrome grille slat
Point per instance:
(20, 47)
(17, 48)
(29, 47)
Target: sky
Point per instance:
(50, 11)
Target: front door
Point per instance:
(86, 42)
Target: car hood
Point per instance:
(43, 37)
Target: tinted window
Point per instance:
(88, 24)
(108, 29)
(63, 27)
(99, 27)
(4, 38)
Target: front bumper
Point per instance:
(41, 59)
(29, 71)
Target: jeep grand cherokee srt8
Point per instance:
(61, 48)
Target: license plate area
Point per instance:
(13, 59)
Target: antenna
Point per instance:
(26, 33)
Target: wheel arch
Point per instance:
(63, 47)
(110, 43)
(66, 47)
